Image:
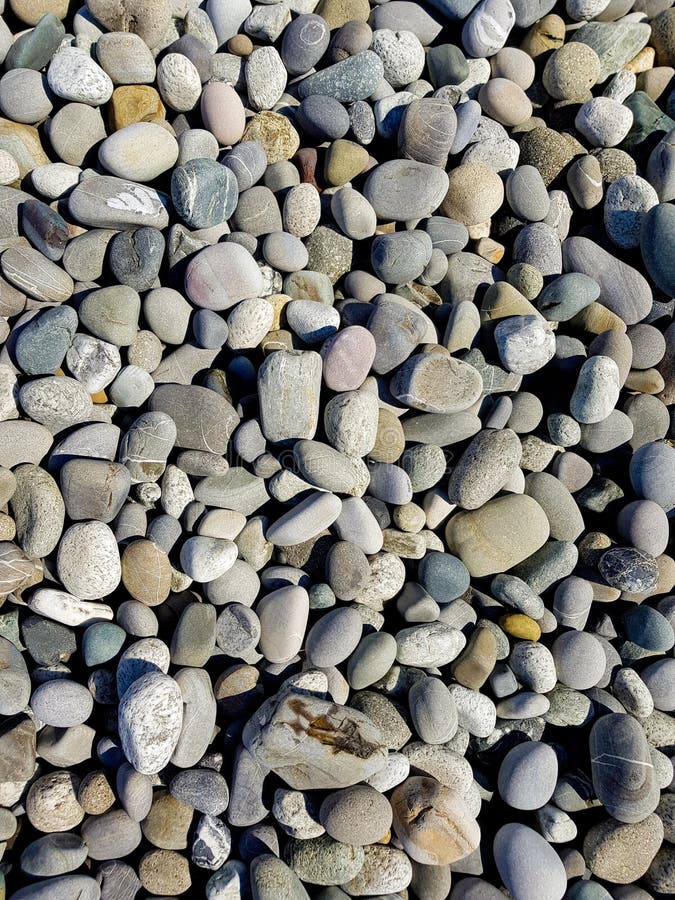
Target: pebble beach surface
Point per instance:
(337, 449)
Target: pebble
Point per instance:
(150, 719)
(405, 189)
(527, 775)
(120, 155)
(528, 866)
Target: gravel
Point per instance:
(336, 449)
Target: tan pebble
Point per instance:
(474, 194)
(596, 318)
(545, 35)
(642, 61)
(9, 168)
(95, 795)
(31, 11)
(146, 572)
(22, 142)
(52, 804)
(433, 822)
(276, 134)
(490, 250)
(164, 872)
(655, 81)
(505, 101)
(390, 440)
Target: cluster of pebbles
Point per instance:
(337, 453)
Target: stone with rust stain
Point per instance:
(314, 744)
(433, 822)
(133, 103)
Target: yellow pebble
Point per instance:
(100, 397)
(521, 627)
(642, 62)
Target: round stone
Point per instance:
(356, 815)
(88, 560)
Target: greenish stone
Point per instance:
(35, 48)
(615, 43)
(647, 118)
(101, 642)
(204, 192)
(321, 596)
(447, 65)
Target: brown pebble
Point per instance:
(240, 45)
(474, 665)
(132, 103)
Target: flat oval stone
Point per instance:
(436, 383)
(221, 275)
(150, 720)
(656, 243)
(304, 42)
(621, 767)
(347, 358)
(621, 853)
(356, 815)
(623, 289)
(405, 189)
(401, 256)
(111, 835)
(629, 569)
(139, 152)
(283, 620)
(53, 855)
(109, 202)
(530, 868)
(596, 391)
(651, 473)
(433, 711)
(499, 535)
(68, 887)
(528, 775)
(37, 276)
(56, 403)
(62, 703)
